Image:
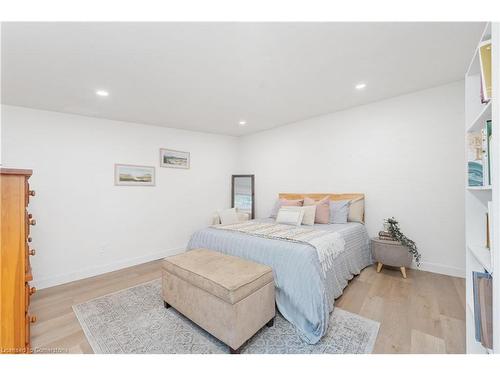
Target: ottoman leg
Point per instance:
(379, 267)
(403, 271)
(234, 351)
(166, 304)
(270, 323)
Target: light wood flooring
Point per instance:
(424, 313)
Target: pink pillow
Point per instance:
(285, 202)
(322, 209)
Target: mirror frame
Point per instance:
(252, 177)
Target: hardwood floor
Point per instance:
(424, 313)
(57, 326)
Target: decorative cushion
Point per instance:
(339, 211)
(285, 202)
(242, 216)
(290, 216)
(309, 215)
(356, 210)
(322, 209)
(229, 216)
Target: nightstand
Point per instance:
(391, 253)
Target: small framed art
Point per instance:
(174, 158)
(134, 175)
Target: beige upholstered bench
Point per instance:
(230, 297)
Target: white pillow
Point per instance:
(309, 215)
(356, 210)
(228, 216)
(290, 216)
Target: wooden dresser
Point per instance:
(15, 268)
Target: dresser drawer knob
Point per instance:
(32, 290)
(32, 193)
(33, 319)
(32, 252)
(32, 222)
(30, 239)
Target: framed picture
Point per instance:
(134, 175)
(174, 158)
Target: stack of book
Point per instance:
(385, 235)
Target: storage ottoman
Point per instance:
(230, 297)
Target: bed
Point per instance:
(305, 293)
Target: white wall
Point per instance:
(404, 153)
(86, 225)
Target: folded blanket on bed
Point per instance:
(328, 244)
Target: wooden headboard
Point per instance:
(318, 196)
(357, 201)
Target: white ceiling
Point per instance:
(209, 76)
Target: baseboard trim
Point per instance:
(441, 269)
(99, 270)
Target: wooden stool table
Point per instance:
(391, 253)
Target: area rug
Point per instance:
(134, 320)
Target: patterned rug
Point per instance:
(134, 320)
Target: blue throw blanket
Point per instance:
(328, 244)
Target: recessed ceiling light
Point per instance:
(102, 93)
(242, 123)
(360, 86)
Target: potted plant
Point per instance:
(392, 226)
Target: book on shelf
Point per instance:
(485, 156)
(481, 95)
(488, 148)
(485, 65)
(475, 159)
(488, 225)
(485, 146)
(483, 308)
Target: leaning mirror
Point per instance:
(242, 196)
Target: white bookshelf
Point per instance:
(479, 188)
(482, 256)
(478, 257)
